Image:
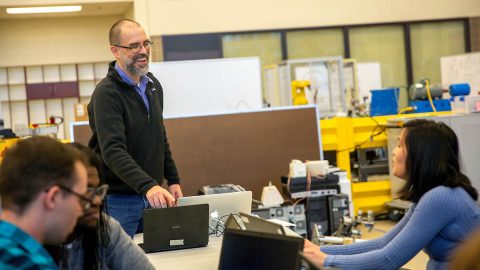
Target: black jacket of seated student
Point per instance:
(98, 241)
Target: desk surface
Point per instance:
(192, 258)
(208, 257)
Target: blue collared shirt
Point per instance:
(18, 250)
(140, 87)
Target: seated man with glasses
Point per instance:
(41, 185)
(98, 241)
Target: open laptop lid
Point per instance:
(243, 221)
(244, 249)
(175, 227)
(223, 204)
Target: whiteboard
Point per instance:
(464, 68)
(369, 77)
(209, 86)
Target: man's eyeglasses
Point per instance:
(85, 202)
(135, 48)
(87, 199)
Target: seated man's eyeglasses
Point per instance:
(136, 47)
(100, 191)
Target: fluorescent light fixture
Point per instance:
(52, 9)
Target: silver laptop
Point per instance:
(175, 228)
(221, 205)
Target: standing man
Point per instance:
(42, 188)
(126, 119)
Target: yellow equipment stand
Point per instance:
(5, 144)
(342, 135)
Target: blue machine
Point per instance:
(459, 89)
(384, 101)
(418, 98)
(421, 106)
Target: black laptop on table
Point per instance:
(173, 228)
(255, 244)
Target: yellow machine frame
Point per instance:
(342, 135)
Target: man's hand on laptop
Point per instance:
(159, 197)
(175, 190)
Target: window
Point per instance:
(266, 46)
(315, 43)
(384, 44)
(430, 41)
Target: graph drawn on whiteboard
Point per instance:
(464, 68)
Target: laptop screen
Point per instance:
(221, 205)
(254, 250)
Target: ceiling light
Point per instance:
(52, 9)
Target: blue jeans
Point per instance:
(128, 211)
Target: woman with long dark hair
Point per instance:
(98, 241)
(443, 212)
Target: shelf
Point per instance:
(51, 90)
(3, 93)
(68, 73)
(37, 111)
(16, 75)
(18, 92)
(3, 76)
(86, 88)
(51, 73)
(85, 72)
(101, 70)
(85, 100)
(34, 74)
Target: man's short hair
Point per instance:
(116, 31)
(32, 166)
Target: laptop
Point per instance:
(221, 205)
(248, 222)
(175, 228)
(245, 249)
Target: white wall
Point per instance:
(202, 16)
(26, 42)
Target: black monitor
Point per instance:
(249, 249)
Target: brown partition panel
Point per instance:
(80, 132)
(248, 149)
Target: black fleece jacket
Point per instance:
(130, 139)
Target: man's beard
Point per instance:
(132, 69)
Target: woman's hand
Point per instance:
(313, 252)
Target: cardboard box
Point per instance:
(81, 113)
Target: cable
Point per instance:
(427, 86)
(406, 109)
(296, 202)
(370, 138)
(219, 228)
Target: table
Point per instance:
(208, 257)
